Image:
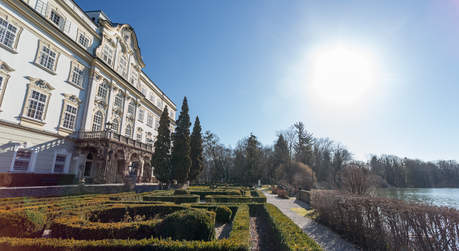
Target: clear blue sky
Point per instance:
(246, 66)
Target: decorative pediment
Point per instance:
(72, 98)
(41, 84)
(5, 67)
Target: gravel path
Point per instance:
(324, 236)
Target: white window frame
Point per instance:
(150, 120)
(141, 116)
(8, 33)
(102, 90)
(108, 54)
(5, 71)
(97, 127)
(45, 50)
(66, 164)
(77, 74)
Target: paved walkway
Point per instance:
(327, 239)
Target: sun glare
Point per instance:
(342, 75)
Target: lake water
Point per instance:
(448, 197)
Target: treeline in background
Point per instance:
(298, 159)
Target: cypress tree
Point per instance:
(161, 159)
(196, 151)
(180, 159)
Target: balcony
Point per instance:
(111, 137)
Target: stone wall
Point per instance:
(52, 191)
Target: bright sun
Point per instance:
(342, 75)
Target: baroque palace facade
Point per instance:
(73, 96)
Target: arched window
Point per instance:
(97, 121)
(128, 131)
(116, 125)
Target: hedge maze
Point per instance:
(158, 220)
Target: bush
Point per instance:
(22, 223)
(386, 224)
(190, 224)
(181, 192)
(283, 194)
(176, 198)
(289, 235)
(115, 222)
(234, 199)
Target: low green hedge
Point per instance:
(290, 236)
(190, 224)
(22, 223)
(224, 213)
(176, 198)
(181, 192)
(45, 244)
(204, 193)
(237, 241)
(234, 199)
(114, 222)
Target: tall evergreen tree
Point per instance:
(180, 159)
(196, 151)
(161, 157)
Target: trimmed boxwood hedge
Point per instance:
(234, 199)
(238, 241)
(290, 236)
(176, 198)
(108, 223)
(224, 213)
(189, 224)
(22, 223)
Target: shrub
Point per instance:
(22, 223)
(181, 192)
(283, 194)
(176, 198)
(386, 224)
(224, 213)
(190, 224)
(234, 199)
(289, 235)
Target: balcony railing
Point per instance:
(109, 135)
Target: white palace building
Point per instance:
(73, 96)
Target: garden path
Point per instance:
(326, 238)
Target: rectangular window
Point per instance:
(141, 115)
(77, 75)
(7, 33)
(83, 40)
(37, 103)
(134, 78)
(107, 54)
(131, 108)
(150, 120)
(22, 160)
(122, 68)
(47, 58)
(56, 18)
(102, 91)
(60, 163)
(70, 115)
(118, 101)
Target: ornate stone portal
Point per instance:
(111, 157)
